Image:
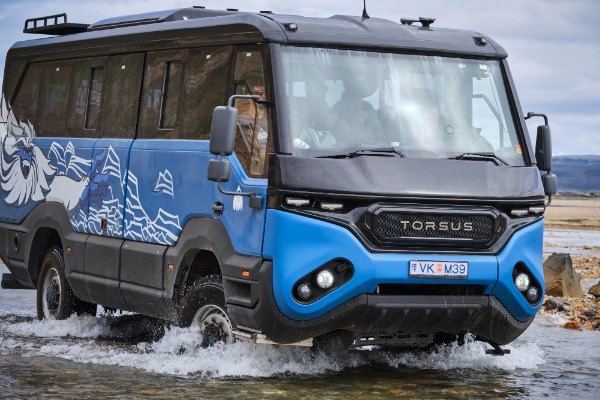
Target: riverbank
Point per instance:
(573, 213)
(572, 227)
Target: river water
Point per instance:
(128, 356)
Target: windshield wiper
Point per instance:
(382, 151)
(484, 156)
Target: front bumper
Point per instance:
(482, 315)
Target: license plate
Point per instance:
(439, 269)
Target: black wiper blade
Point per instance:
(484, 156)
(382, 151)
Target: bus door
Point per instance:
(111, 112)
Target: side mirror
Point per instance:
(550, 184)
(222, 132)
(543, 148)
(219, 170)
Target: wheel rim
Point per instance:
(214, 325)
(51, 293)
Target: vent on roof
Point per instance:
(53, 25)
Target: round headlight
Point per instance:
(304, 291)
(522, 282)
(325, 279)
(533, 294)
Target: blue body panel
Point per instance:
(167, 186)
(246, 225)
(146, 189)
(298, 245)
(108, 185)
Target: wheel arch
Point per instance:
(48, 224)
(204, 248)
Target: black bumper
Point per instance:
(484, 316)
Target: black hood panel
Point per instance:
(377, 176)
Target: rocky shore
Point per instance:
(573, 291)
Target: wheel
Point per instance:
(55, 299)
(203, 306)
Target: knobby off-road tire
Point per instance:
(55, 299)
(204, 306)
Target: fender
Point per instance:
(24, 258)
(211, 235)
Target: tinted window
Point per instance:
(169, 112)
(55, 99)
(253, 141)
(124, 79)
(24, 107)
(85, 105)
(160, 97)
(205, 87)
(12, 74)
(94, 100)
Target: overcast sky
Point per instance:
(553, 46)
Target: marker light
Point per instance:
(304, 291)
(522, 282)
(519, 212)
(536, 210)
(294, 201)
(533, 294)
(331, 206)
(325, 279)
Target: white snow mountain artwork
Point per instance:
(28, 176)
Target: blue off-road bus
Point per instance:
(273, 178)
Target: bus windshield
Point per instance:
(344, 101)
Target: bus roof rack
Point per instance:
(53, 25)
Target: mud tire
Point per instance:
(55, 298)
(204, 306)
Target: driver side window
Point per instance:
(253, 142)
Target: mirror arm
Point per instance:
(533, 114)
(241, 96)
(254, 200)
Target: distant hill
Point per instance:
(577, 173)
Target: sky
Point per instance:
(553, 46)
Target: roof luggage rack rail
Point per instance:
(50, 25)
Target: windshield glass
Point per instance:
(341, 101)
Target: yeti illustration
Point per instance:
(28, 176)
(25, 172)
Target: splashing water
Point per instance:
(178, 352)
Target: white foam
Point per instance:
(471, 355)
(74, 326)
(179, 353)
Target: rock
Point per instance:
(590, 313)
(561, 278)
(595, 290)
(572, 325)
(552, 303)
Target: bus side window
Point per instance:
(55, 100)
(253, 139)
(87, 90)
(161, 97)
(24, 107)
(205, 87)
(122, 94)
